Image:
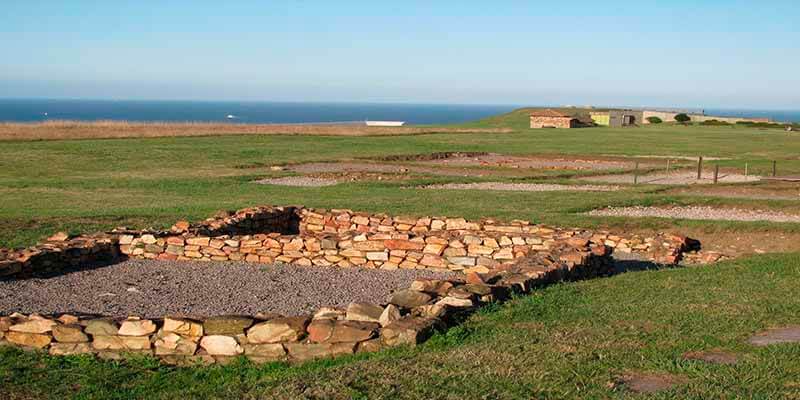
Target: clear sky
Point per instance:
(713, 53)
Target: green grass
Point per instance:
(563, 342)
(97, 184)
(566, 341)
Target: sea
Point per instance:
(251, 112)
(35, 110)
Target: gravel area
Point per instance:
(497, 160)
(698, 213)
(676, 178)
(524, 187)
(155, 289)
(300, 181)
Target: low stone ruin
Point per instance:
(497, 259)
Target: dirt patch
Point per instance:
(299, 181)
(674, 178)
(760, 191)
(712, 356)
(697, 213)
(788, 334)
(431, 156)
(523, 187)
(649, 383)
(355, 167)
(154, 289)
(498, 160)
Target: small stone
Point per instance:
(409, 298)
(364, 312)
(58, 237)
(218, 345)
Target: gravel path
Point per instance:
(675, 178)
(155, 289)
(698, 213)
(524, 187)
(300, 181)
(497, 160)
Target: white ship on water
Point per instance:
(384, 123)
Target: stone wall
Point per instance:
(552, 122)
(496, 259)
(409, 317)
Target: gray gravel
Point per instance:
(697, 213)
(155, 289)
(299, 181)
(674, 178)
(525, 187)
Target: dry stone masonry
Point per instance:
(497, 259)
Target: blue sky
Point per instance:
(661, 53)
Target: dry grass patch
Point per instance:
(63, 130)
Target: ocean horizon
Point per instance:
(273, 112)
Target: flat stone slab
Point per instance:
(788, 334)
(154, 289)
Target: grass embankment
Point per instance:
(569, 341)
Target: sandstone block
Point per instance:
(69, 334)
(390, 314)
(34, 340)
(363, 312)
(174, 344)
(136, 327)
(68, 349)
(265, 352)
(303, 351)
(408, 331)
(184, 327)
(409, 298)
(101, 327)
(284, 329)
(218, 345)
(34, 326)
(121, 343)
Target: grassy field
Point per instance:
(567, 341)
(97, 184)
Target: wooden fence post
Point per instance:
(745, 170)
(636, 174)
(774, 168)
(716, 173)
(699, 168)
